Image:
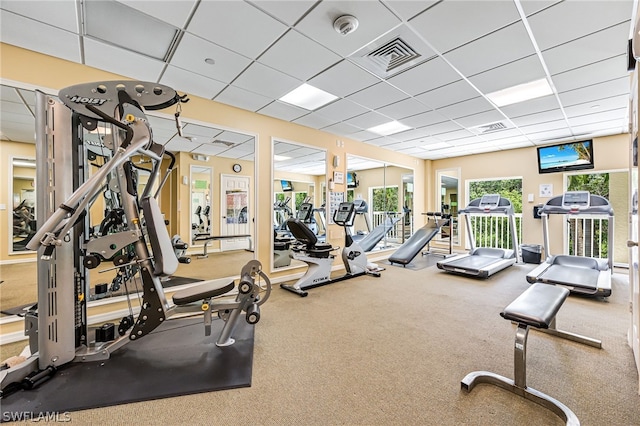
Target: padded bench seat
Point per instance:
(200, 292)
(537, 306)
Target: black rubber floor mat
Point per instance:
(176, 359)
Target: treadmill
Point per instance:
(483, 262)
(580, 274)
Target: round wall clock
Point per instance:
(237, 168)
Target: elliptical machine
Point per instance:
(319, 257)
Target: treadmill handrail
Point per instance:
(599, 205)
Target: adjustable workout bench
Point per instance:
(536, 307)
(208, 238)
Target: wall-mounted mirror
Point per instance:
(23, 203)
(227, 153)
(383, 194)
(200, 178)
(447, 196)
(299, 175)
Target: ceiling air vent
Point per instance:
(221, 142)
(491, 127)
(393, 55)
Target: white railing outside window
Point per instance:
(493, 231)
(395, 234)
(588, 236)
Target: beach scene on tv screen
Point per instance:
(564, 155)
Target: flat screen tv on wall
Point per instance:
(565, 157)
(286, 185)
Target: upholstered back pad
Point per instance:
(165, 260)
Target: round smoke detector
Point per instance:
(345, 24)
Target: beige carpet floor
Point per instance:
(392, 351)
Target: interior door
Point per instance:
(634, 232)
(235, 212)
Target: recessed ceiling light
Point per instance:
(277, 157)
(388, 128)
(308, 97)
(521, 92)
(210, 61)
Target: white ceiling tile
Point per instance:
(473, 19)
(209, 149)
(532, 6)
(378, 95)
(341, 110)
(613, 127)
(180, 144)
(511, 74)
(424, 119)
(33, 35)
(412, 135)
(464, 108)
(283, 111)
(454, 135)
(287, 11)
(363, 135)
(199, 132)
(341, 129)
(375, 20)
(558, 24)
(298, 56)
(16, 114)
(619, 103)
(314, 120)
(545, 103)
(120, 61)
(543, 127)
(192, 52)
(174, 12)
(266, 81)
(427, 76)
(539, 117)
(618, 87)
(502, 134)
(550, 136)
(407, 9)
(343, 79)
(496, 49)
(60, 14)
(448, 95)
(236, 25)
(194, 84)
(405, 108)
(242, 98)
(368, 119)
(593, 118)
(244, 142)
(587, 50)
(443, 127)
(597, 72)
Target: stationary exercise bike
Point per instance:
(319, 255)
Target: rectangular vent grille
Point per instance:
(492, 127)
(393, 54)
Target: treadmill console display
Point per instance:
(576, 200)
(490, 202)
(304, 212)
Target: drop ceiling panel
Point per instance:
(368, 119)
(363, 135)
(464, 108)
(60, 14)
(596, 47)
(494, 50)
(39, 37)
(405, 108)
(545, 103)
(378, 95)
(226, 23)
(455, 135)
(343, 79)
(533, 6)
(179, 144)
(174, 12)
(283, 111)
(201, 133)
(558, 24)
(511, 74)
(543, 127)
(412, 135)
(448, 95)
(341, 129)
(473, 19)
(192, 52)
(597, 72)
(16, 114)
(409, 9)
(18, 133)
(314, 120)
(482, 118)
(540, 117)
(618, 87)
(602, 105)
(242, 98)
(375, 20)
(341, 109)
(120, 61)
(502, 134)
(424, 119)
(598, 117)
(266, 81)
(443, 127)
(209, 149)
(298, 56)
(426, 76)
(288, 12)
(194, 84)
